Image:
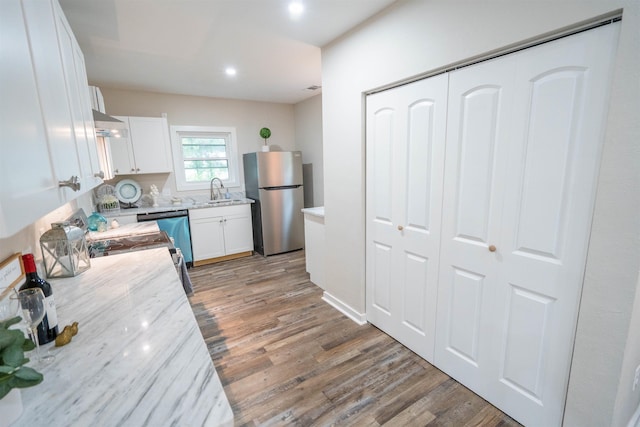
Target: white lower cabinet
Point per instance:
(478, 220)
(220, 233)
(314, 244)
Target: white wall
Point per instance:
(308, 126)
(416, 36)
(248, 117)
(629, 401)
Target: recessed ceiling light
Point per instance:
(230, 71)
(295, 9)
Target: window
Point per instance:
(203, 153)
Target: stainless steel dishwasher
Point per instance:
(176, 225)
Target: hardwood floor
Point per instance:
(285, 357)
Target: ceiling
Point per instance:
(184, 46)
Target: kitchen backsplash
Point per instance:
(27, 240)
(166, 185)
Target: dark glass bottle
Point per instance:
(48, 328)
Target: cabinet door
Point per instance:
(90, 170)
(121, 153)
(28, 189)
(80, 105)
(97, 100)
(238, 234)
(47, 64)
(314, 248)
(405, 155)
(149, 140)
(207, 238)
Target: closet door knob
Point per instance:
(492, 248)
(400, 228)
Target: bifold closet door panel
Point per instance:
(559, 124)
(511, 272)
(478, 139)
(405, 159)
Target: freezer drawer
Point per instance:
(281, 220)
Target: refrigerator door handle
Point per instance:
(282, 187)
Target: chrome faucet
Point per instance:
(219, 195)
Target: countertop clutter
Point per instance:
(139, 358)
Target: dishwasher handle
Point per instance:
(162, 215)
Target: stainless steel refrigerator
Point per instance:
(274, 180)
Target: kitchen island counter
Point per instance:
(139, 357)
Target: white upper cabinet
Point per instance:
(80, 102)
(28, 188)
(52, 91)
(145, 150)
(46, 125)
(97, 100)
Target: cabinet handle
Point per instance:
(492, 248)
(71, 183)
(133, 170)
(400, 228)
(116, 171)
(137, 169)
(99, 175)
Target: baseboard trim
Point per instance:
(635, 419)
(222, 258)
(359, 318)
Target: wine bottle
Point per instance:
(48, 328)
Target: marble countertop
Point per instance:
(139, 357)
(145, 227)
(317, 211)
(198, 204)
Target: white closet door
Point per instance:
(480, 102)
(506, 319)
(405, 157)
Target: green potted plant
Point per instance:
(13, 372)
(265, 133)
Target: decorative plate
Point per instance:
(128, 191)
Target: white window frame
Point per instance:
(177, 132)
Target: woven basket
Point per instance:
(107, 207)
